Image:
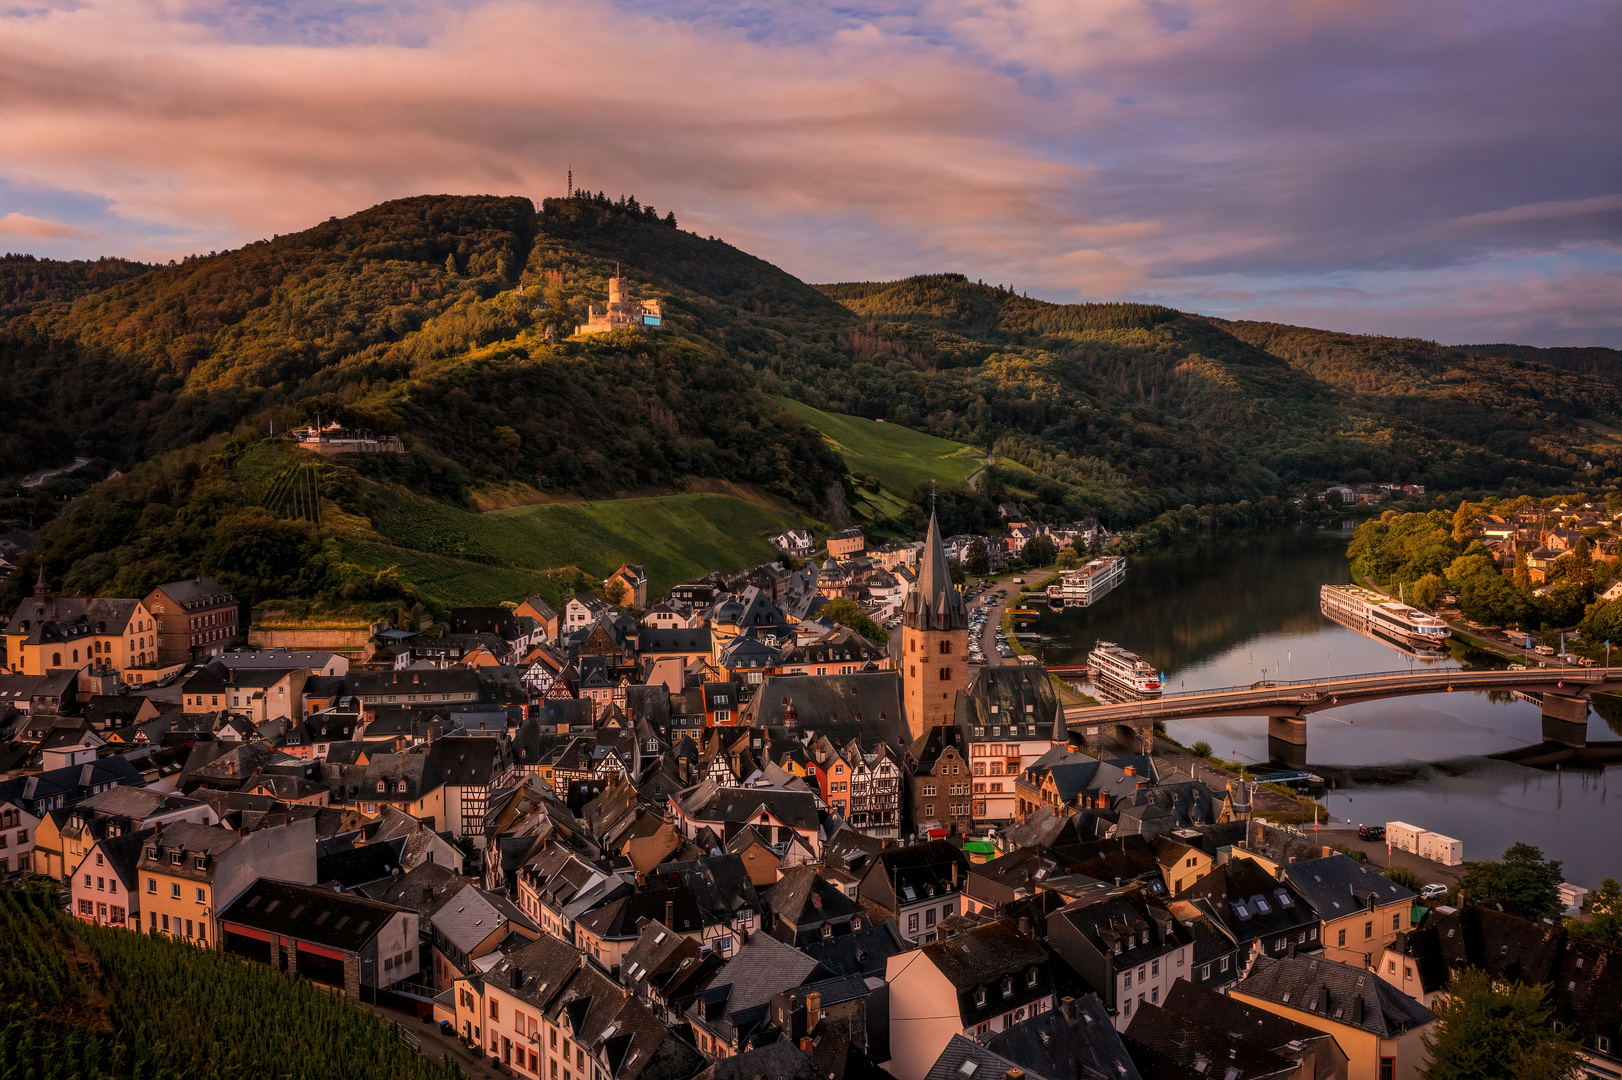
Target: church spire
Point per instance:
(935, 603)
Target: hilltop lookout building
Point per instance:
(621, 313)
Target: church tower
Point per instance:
(934, 640)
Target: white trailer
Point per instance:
(1443, 849)
(1403, 836)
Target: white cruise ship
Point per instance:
(1085, 586)
(1122, 670)
(1366, 610)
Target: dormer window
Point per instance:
(1030, 977)
(980, 997)
(381, 786)
(401, 787)
(199, 862)
(174, 858)
(1008, 988)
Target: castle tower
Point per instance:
(934, 640)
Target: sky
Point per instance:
(1447, 170)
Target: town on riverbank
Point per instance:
(827, 816)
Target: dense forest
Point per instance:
(448, 321)
(86, 1002)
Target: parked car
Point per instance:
(1433, 891)
(1371, 832)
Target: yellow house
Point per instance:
(188, 873)
(65, 836)
(1378, 1027)
(1361, 910)
(47, 633)
(1180, 864)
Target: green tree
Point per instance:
(1427, 591)
(976, 560)
(1605, 918)
(1485, 1031)
(615, 591)
(1401, 875)
(1524, 879)
(849, 613)
(1039, 551)
(1464, 522)
(1602, 622)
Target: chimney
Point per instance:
(518, 979)
(813, 1011)
(805, 1044)
(954, 873)
(1067, 1008)
(1024, 925)
(1014, 1074)
(670, 914)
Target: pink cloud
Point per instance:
(1184, 149)
(15, 224)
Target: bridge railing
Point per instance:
(1293, 689)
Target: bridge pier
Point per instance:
(1287, 741)
(1565, 720)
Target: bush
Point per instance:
(1201, 749)
(1353, 852)
(1401, 875)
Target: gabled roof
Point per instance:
(1076, 1039)
(965, 1059)
(985, 954)
(1338, 885)
(803, 897)
(1337, 992)
(342, 921)
(860, 952)
(865, 705)
(762, 968)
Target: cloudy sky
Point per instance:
(1446, 169)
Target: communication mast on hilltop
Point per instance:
(569, 192)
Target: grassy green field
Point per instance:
(899, 458)
(459, 557)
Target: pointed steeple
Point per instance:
(42, 590)
(935, 603)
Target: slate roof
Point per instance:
(965, 1059)
(1251, 1024)
(1233, 890)
(1173, 1046)
(860, 952)
(934, 603)
(865, 706)
(341, 921)
(1337, 992)
(761, 969)
(779, 1061)
(981, 956)
(360, 865)
(1337, 885)
(1081, 1044)
(796, 809)
(803, 897)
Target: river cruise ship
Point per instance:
(1122, 670)
(1085, 586)
(1366, 610)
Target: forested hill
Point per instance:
(1606, 363)
(447, 320)
(1139, 406)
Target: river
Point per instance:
(1232, 611)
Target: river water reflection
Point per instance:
(1231, 612)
